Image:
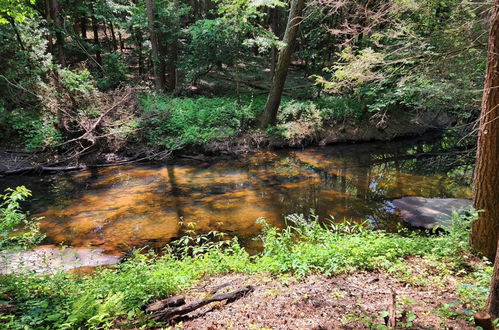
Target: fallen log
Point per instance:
(41, 169)
(170, 313)
(174, 301)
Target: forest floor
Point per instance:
(349, 301)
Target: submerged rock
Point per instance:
(47, 259)
(429, 212)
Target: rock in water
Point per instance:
(49, 259)
(429, 212)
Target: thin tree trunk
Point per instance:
(275, 94)
(83, 27)
(173, 54)
(122, 42)
(95, 29)
(138, 37)
(113, 36)
(273, 52)
(157, 62)
(50, 39)
(58, 25)
(485, 231)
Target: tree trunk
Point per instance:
(484, 231)
(58, 25)
(113, 36)
(493, 301)
(95, 29)
(173, 54)
(83, 27)
(50, 41)
(274, 16)
(157, 61)
(281, 71)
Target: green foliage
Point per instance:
(213, 43)
(177, 122)
(305, 246)
(17, 229)
(114, 72)
(36, 132)
(17, 10)
(425, 59)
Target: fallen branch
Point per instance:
(174, 301)
(41, 169)
(168, 314)
(391, 319)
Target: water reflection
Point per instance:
(116, 208)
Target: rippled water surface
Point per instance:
(116, 208)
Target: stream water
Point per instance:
(121, 207)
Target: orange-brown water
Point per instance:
(116, 208)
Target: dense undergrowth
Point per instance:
(64, 301)
(175, 122)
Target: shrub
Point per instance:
(177, 122)
(16, 228)
(114, 72)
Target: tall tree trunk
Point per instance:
(281, 71)
(95, 29)
(157, 62)
(58, 25)
(138, 37)
(83, 27)
(113, 36)
(122, 42)
(172, 55)
(485, 231)
(50, 39)
(274, 17)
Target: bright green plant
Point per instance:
(17, 229)
(177, 122)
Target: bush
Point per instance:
(114, 72)
(16, 228)
(176, 122)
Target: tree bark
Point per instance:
(55, 15)
(173, 55)
(113, 36)
(492, 306)
(281, 71)
(95, 29)
(83, 27)
(157, 62)
(274, 16)
(485, 231)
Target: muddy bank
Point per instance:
(14, 161)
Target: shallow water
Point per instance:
(117, 208)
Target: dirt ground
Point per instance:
(318, 302)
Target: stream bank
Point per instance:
(15, 161)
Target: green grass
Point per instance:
(65, 301)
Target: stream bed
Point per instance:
(114, 209)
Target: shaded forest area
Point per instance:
(85, 82)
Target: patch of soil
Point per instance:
(318, 302)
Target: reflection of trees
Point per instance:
(352, 181)
(175, 192)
